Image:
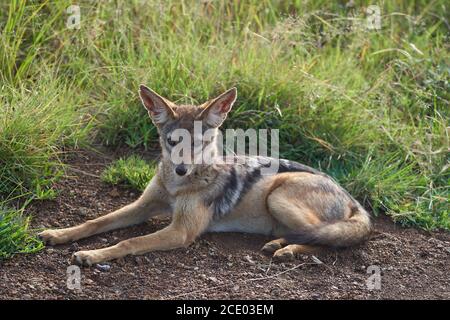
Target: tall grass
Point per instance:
(14, 234)
(371, 107)
(39, 116)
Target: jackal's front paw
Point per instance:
(86, 258)
(54, 236)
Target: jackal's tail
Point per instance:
(342, 233)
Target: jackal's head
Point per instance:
(187, 133)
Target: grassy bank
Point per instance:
(370, 106)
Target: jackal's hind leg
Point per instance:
(274, 245)
(290, 251)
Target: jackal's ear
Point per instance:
(158, 108)
(216, 110)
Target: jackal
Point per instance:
(301, 207)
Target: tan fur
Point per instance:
(279, 205)
(290, 251)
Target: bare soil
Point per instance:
(414, 264)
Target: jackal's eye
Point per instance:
(171, 142)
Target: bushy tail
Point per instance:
(343, 233)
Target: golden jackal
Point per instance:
(301, 207)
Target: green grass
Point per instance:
(39, 116)
(15, 234)
(132, 172)
(370, 107)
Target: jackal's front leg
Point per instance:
(151, 203)
(188, 223)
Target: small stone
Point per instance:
(213, 279)
(114, 193)
(103, 267)
(83, 211)
(249, 259)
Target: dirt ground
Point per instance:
(414, 264)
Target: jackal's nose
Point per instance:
(181, 170)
